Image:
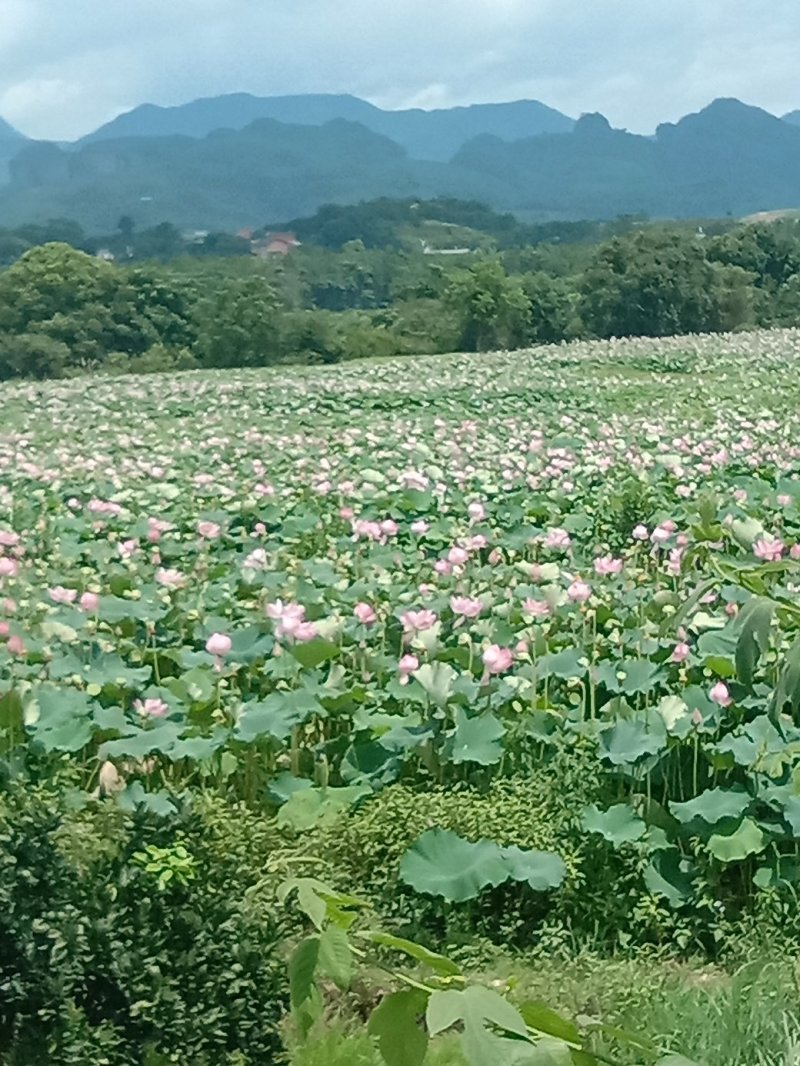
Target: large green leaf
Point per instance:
(753, 624)
(161, 740)
(442, 864)
(318, 806)
(437, 679)
(747, 840)
(59, 718)
(483, 1016)
(277, 715)
(315, 652)
(303, 994)
(402, 1041)
(619, 824)
(542, 1019)
(135, 797)
(335, 960)
(476, 739)
(440, 964)
(629, 741)
(540, 870)
(787, 690)
(712, 806)
(670, 876)
(564, 664)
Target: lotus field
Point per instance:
(297, 588)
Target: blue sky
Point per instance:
(66, 66)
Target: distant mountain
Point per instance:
(227, 180)
(792, 117)
(727, 159)
(11, 141)
(432, 135)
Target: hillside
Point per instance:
(227, 180)
(11, 142)
(728, 159)
(430, 135)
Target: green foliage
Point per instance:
(491, 1027)
(125, 935)
(652, 284)
(494, 310)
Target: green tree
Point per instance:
(552, 315)
(493, 310)
(652, 284)
(239, 324)
(88, 307)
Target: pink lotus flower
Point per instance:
(784, 500)
(208, 530)
(171, 579)
(61, 595)
(640, 533)
(151, 708)
(15, 646)
(497, 660)
(128, 548)
(465, 606)
(681, 652)
(8, 567)
(304, 632)
(536, 608)
(476, 511)
(219, 645)
(365, 614)
(579, 592)
(558, 539)
(606, 566)
(5, 630)
(477, 542)
(457, 556)
(794, 551)
(420, 527)
(8, 539)
(256, 560)
(407, 665)
(90, 602)
(389, 527)
(418, 621)
(288, 617)
(719, 694)
(770, 549)
(442, 567)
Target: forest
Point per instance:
(378, 279)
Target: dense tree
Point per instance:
(493, 309)
(651, 284)
(238, 324)
(89, 308)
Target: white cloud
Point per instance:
(68, 65)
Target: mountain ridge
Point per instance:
(431, 135)
(727, 158)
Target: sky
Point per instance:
(67, 66)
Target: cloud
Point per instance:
(68, 65)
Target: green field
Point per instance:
(504, 647)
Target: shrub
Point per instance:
(100, 963)
(541, 811)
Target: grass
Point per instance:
(746, 1016)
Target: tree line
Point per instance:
(64, 311)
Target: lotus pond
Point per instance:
(298, 587)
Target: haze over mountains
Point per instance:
(233, 161)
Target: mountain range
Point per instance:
(233, 161)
